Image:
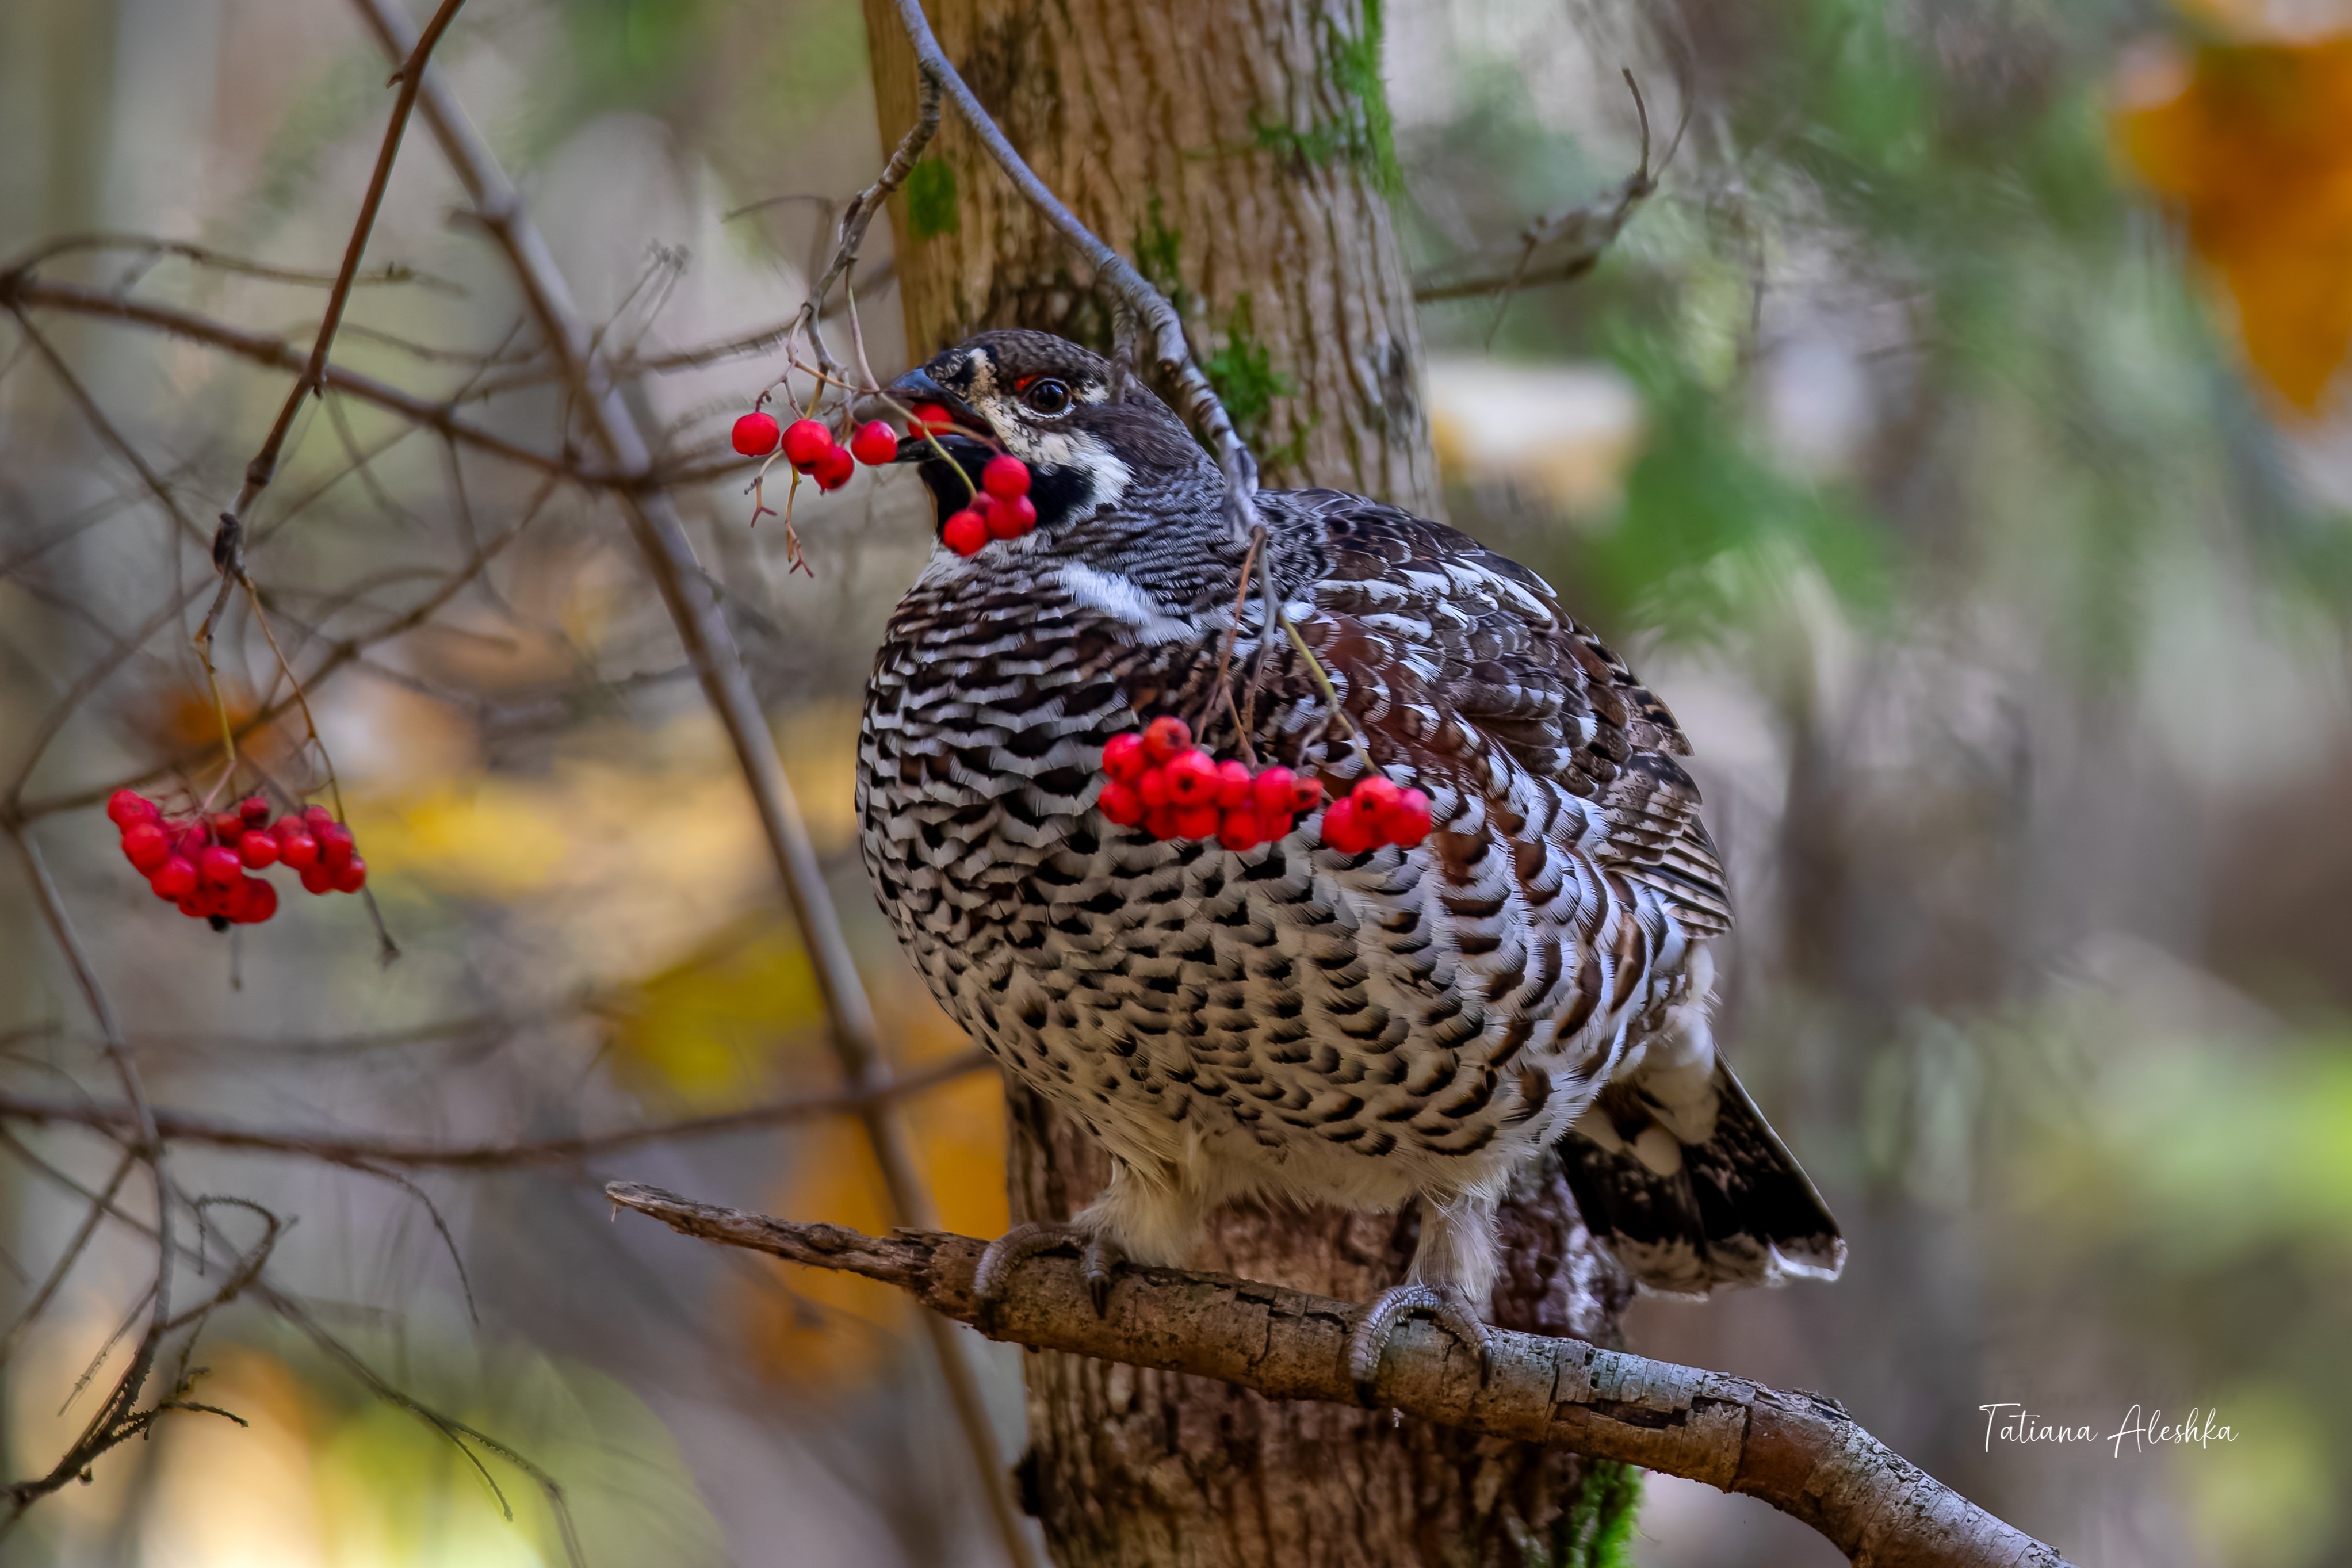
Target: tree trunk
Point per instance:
(1239, 153)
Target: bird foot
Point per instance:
(1098, 1256)
(1449, 1304)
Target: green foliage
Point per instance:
(1598, 1530)
(1365, 131)
(1242, 371)
(931, 199)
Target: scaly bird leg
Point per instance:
(1449, 1304)
(1098, 1256)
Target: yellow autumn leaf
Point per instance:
(711, 1031)
(2253, 143)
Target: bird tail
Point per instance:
(1695, 1196)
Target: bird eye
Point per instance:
(1047, 396)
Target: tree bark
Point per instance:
(1238, 153)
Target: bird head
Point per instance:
(1090, 443)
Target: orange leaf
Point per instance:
(2254, 143)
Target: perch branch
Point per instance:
(1799, 1452)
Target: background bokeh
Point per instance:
(1957, 441)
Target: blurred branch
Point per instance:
(219, 262)
(1586, 233)
(17, 289)
(1799, 1452)
(660, 532)
(360, 1151)
(229, 550)
(117, 1417)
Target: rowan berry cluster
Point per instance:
(1376, 812)
(1160, 781)
(1000, 509)
(200, 861)
(810, 448)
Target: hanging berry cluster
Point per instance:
(200, 861)
(1162, 783)
(810, 447)
(1157, 779)
(1000, 509)
(1377, 812)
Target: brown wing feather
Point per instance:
(1452, 649)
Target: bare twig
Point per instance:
(116, 1416)
(278, 354)
(370, 1153)
(1799, 1452)
(264, 466)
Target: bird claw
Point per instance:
(1449, 1304)
(1099, 1258)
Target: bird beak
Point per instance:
(917, 386)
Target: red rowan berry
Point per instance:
(964, 532)
(258, 849)
(1239, 830)
(1406, 822)
(1122, 756)
(1160, 821)
(1197, 821)
(875, 444)
(1374, 795)
(219, 863)
(1004, 477)
(1234, 783)
(1153, 787)
(1346, 830)
(318, 816)
(229, 827)
(1306, 794)
(1270, 791)
(335, 845)
(1164, 737)
(298, 849)
(252, 901)
(1011, 518)
(925, 417)
(126, 807)
(175, 880)
(351, 876)
(805, 441)
(1192, 781)
(317, 877)
(833, 470)
(755, 434)
(146, 846)
(1120, 803)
